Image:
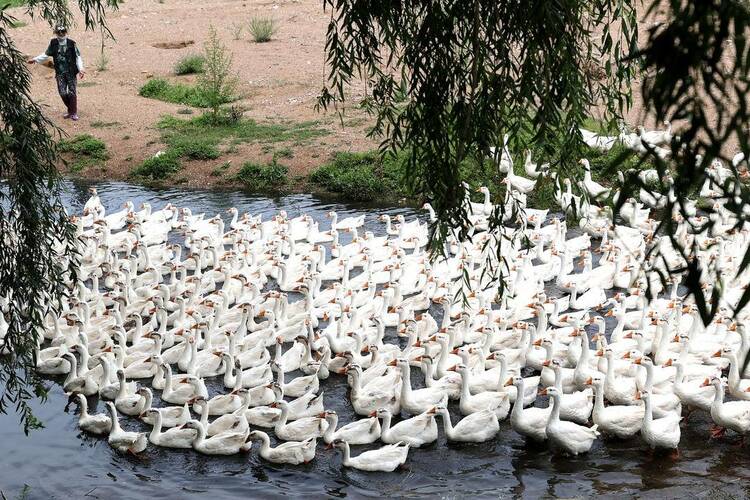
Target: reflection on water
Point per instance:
(61, 462)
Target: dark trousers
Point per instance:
(66, 87)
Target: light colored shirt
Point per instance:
(63, 45)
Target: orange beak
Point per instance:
(706, 383)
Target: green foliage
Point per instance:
(177, 93)
(190, 64)
(158, 167)
(263, 177)
(501, 69)
(217, 84)
(85, 151)
(362, 176)
(262, 29)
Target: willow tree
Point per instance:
(37, 249)
(447, 79)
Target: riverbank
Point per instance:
(278, 84)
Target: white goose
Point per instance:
(567, 436)
(415, 431)
(290, 452)
(385, 459)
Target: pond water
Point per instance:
(61, 462)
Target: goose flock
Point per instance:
(167, 299)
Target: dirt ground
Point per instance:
(279, 80)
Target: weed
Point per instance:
(263, 177)
(184, 111)
(190, 64)
(217, 84)
(262, 29)
(87, 84)
(237, 30)
(284, 153)
(125, 137)
(84, 150)
(129, 158)
(102, 63)
(18, 23)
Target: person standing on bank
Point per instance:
(68, 65)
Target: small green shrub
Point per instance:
(217, 85)
(85, 150)
(262, 29)
(190, 64)
(362, 176)
(177, 93)
(158, 167)
(259, 177)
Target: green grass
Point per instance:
(362, 176)
(262, 29)
(263, 177)
(158, 167)
(84, 151)
(176, 93)
(9, 4)
(201, 138)
(18, 24)
(190, 64)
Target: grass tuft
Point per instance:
(84, 150)
(262, 29)
(362, 176)
(190, 64)
(263, 177)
